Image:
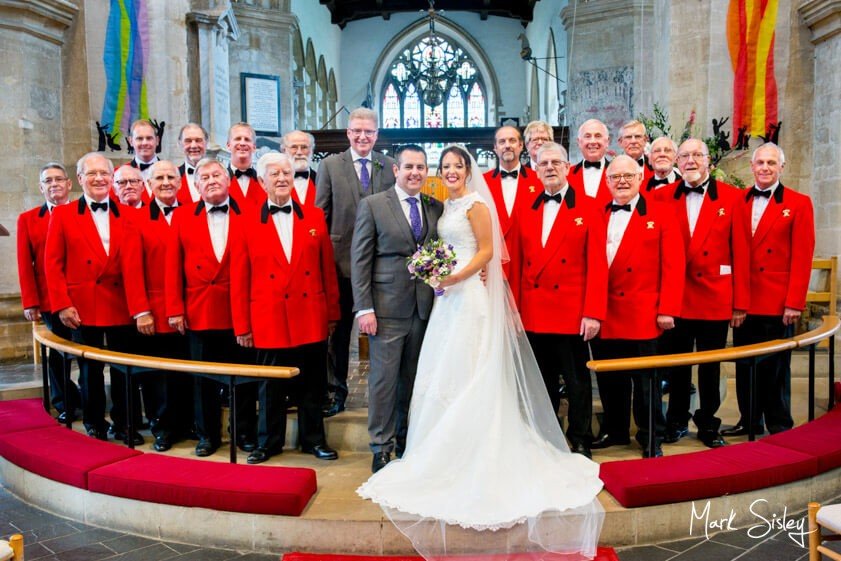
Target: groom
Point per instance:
(391, 307)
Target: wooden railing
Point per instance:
(135, 364)
(750, 354)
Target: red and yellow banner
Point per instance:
(750, 38)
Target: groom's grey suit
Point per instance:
(382, 240)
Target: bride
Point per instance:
(486, 466)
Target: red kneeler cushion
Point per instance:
(218, 486)
(602, 554)
(24, 414)
(60, 454)
(701, 475)
(820, 439)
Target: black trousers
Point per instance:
(566, 355)
(338, 347)
(63, 398)
(773, 375)
(306, 389)
(687, 336)
(91, 379)
(167, 396)
(221, 346)
(615, 390)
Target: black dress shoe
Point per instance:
(333, 408)
(740, 430)
(606, 441)
(136, 437)
(162, 443)
(258, 456)
(673, 434)
(580, 448)
(711, 439)
(62, 417)
(247, 445)
(658, 452)
(100, 433)
(322, 452)
(380, 461)
(205, 448)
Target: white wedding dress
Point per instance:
(485, 455)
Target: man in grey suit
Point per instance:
(392, 308)
(343, 180)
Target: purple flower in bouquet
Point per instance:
(432, 262)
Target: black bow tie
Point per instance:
(641, 161)
(305, 174)
(143, 167)
(615, 207)
(220, 208)
(512, 174)
(654, 182)
(760, 193)
(274, 209)
(167, 210)
(686, 189)
(557, 197)
(596, 165)
(99, 206)
(190, 171)
(249, 172)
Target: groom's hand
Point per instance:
(368, 323)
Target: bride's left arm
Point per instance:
(480, 221)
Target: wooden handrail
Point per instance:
(829, 327)
(48, 338)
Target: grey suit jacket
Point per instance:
(382, 240)
(338, 192)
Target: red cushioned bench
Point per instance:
(24, 414)
(60, 454)
(700, 475)
(821, 438)
(219, 486)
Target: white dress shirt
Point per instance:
(357, 165)
(244, 183)
(283, 225)
(302, 185)
(217, 224)
(406, 206)
(102, 221)
(693, 206)
(758, 207)
(616, 226)
(146, 172)
(167, 217)
(191, 182)
(593, 178)
(509, 189)
(550, 213)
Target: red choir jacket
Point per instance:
(310, 192)
(528, 187)
(717, 279)
(197, 285)
(32, 242)
(646, 276)
(781, 252)
(106, 289)
(256, 195)
(183, 196)
(156, 236)
(556, 285)
(284, 304)
(575, 177)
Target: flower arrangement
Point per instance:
(431, 262)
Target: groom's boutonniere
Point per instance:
(378, 165)
(425, 199)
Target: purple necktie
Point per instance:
(364, 176)
(414, 217)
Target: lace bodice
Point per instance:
(454, 227)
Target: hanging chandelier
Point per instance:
(436, 64)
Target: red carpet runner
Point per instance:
(603, 554)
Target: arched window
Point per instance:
(433, 83)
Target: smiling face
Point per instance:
(165, 182)
(297, 147)
(96, 177)
(454, 171)
(662, 156)
(410, 171)
(537, 137)
(362, 134)
(767, 166)
(213, 181)
(552, 169)
(624, 177)
(241, 144)
(508, 145)
(55, 186)
(693, 161)
(593, 140)
(632, 140)
(128, 184)
(278, 182)
(144, 141)
(193, 144)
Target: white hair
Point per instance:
(770, 145)
(272, 158)
(554, 147)
(80, 165)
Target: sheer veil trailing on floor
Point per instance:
(487, 470)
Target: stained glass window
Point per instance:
(433, 83)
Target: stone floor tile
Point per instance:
(90, 552)
(80, 539)
(645, 553)
(710, 551)
(128, 542)
(204, 554)
(154, 552)
(34, 550)
(680, 545)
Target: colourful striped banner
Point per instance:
(125, 60)
(750, 39)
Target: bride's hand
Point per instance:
(448, 281)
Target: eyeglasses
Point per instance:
(123, 182)
(539, 139)
(359, 132)
(54, 180)
(616, 177)
(551, 163)
(98, 173)
(693, 155)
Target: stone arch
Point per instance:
(322, 91)
(450, 31)
(311, 89)
(534, 95)
(551, 88)
(332, 98)
(298, 83)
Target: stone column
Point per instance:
(214, 29)
(824, 19)
(610, 53)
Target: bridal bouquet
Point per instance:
(431, 262)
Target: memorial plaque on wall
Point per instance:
(261, 102)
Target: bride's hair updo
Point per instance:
(461, 153)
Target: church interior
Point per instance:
(77, 73)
